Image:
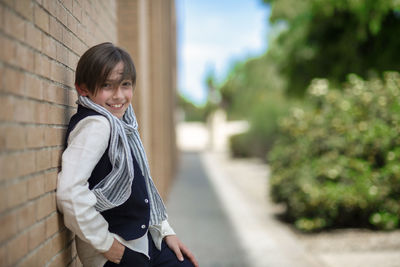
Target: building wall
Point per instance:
(154, 54)
(40, 44)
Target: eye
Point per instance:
(107, 86)
(126, 83)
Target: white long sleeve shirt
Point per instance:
(87, 143)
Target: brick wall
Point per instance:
(147, 30)
(40, 44)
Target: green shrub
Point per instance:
(239, 145)
(336, 162)
(264, 129)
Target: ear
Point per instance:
(82, 89)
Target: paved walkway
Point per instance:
(199, 219)
(219, 210)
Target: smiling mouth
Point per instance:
(117, 106)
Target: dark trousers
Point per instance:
(164, 258)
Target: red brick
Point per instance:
(26, 216)
(67, 38)
(69, 78)
(3, 256)
(33, 36)
(14, 82)
(56, 157)
(17, 248)
(16, 193)
(54, 93)
(79, 2)
(15, 137)
(9, 50)
(30, 260)
(3, 198)
(62, 54)
(55, 117)
(30, 63)
(53, 136)
(72, 24)
(62, 259)
(35, 137)
(36, 186)
(44, 254)
(55, 29)
(37, 234)
(26, 163)
(50, 181)
(81, 33)
(9, 3)
(25, 111)
(14, 25)
(8, 166)
(25, 8)
(73, 61)
(33, 87)
(41, 18)
(77, 47)
(56, 71)
(25, 58)
(1, 16)
(77, 10)
(42, 65)
(1, 75)
(51, 6)
(42, 113)
(58, 242)
(67, 4)
(43, 160)
(46, 5)
(9, 225)
(53, 224)
(45, 206)
(49, 46)
(62, 16)
(2, 138)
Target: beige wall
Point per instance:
(149, 35)
(40, 44)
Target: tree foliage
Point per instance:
(336, 161)
(190, 111)
(331, 38)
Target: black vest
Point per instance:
(131, 219)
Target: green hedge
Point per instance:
(336, 162)
(264, 129)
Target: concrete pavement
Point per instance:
(199, 219)
(219, 207)
(224, 220)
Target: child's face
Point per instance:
(115, 94)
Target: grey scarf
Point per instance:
(115, 188)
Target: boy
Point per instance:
(104, 189)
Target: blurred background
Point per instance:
(311, 88)
(271, 126)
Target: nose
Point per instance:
(118, 93)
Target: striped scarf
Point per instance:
(115, 188)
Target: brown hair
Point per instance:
(98, 61)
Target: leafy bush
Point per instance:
(263, 119)
(192, 112)
(239, 145)
(336, 162)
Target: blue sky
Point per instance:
(212, 34)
